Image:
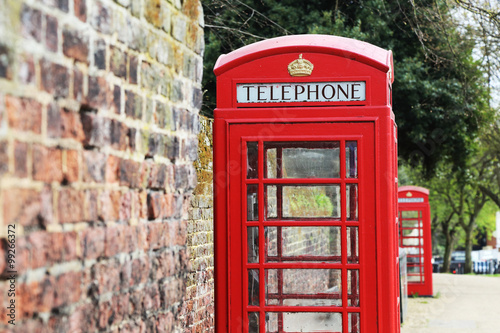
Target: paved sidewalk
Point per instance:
(462, 303)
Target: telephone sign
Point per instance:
(305, 182)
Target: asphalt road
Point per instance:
(461, 303)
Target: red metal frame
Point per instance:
(370, 124)
(416, 237)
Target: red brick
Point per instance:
(115, 240)
(157, 235)
(75, 44)
(71, 205)
(72, 166)
(77, 84)
(20, 159)
(37, 296)
(97, 96)
(51, 36)
(120, 305)
(96, 130)
(91, 210)
(68, 288)
(106, 314)
(109, 207)
(27, 207)
(54, 78)
(94, 166)
(107, 276)
(39, 250)
(152, 297)
(71, 126)
(31, 20)
(118, 62)
(54, 120)
(93, 242)
(24, 114)
(47, 164)
(112, 169)
(62, 246)
(80, 9)
(125, 206)
(119, 135)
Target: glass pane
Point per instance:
(304, 201)
(354, 323)
(253, 287)
(352, 202)
(415, 278)
(410, 223)
(252, 203)
(352, 245)
(253, 322)
(271, 237)
(352, 287)
(410, 242)
(304, 243)
(304, 322)
(271, 201)
(271, 163)
(410, 214)
(351, 159)
(253, 244)
(303, 159)
(415, 269)
(252, 160)
(304, 287)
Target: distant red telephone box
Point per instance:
(416, 238)
(305, 179)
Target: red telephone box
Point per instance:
(305, 179)
(416, 238)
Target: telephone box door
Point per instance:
(301, 234)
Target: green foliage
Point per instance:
(439, 94)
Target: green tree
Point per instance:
(439, 95)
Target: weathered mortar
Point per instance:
(99, 103)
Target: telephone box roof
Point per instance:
(344, 47)
(414, 188)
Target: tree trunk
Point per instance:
(468, 249)
(448, 249)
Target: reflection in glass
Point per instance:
(252, 203)
(302, 159)
(253, 244)
(271, 201)
(410, 214)
(353, 287)
(271, 163)
(352, 202)
(252, 160)
(411, 241)
(411, 223)
(304, 287)
(302, 201)
(304, 322)
(253, 322)
(253, 287)
(304, 243)
(351, 159)
(354, 322)
(352, 245)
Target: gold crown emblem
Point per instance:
(300, 67)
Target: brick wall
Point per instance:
(198, 312)
(99, 104)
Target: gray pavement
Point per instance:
(461, 303)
